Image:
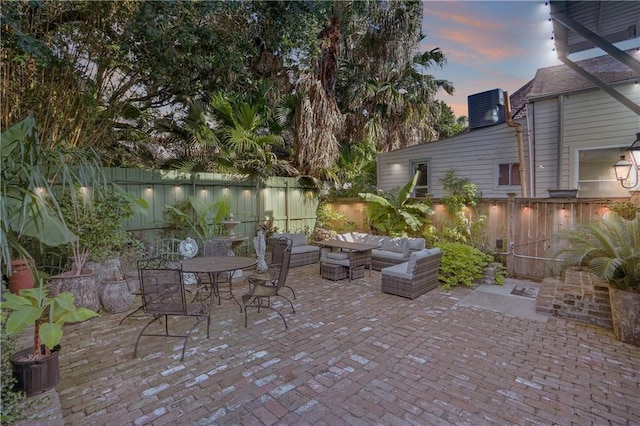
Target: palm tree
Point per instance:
(399, 106)
(246, 139)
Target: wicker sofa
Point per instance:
(302, 253)
(391, 251)
(415, 277)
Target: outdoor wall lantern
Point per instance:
(623, 167)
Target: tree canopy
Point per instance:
(266, 87)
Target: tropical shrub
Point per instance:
(610, 248)
(96, 216)
(328, 217)
(461, 264)
(464, 225)
(394, 213)
(204, 219)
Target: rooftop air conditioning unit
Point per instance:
(486, 108)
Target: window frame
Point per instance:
(616, 189)
(414, 165)
(496, 171)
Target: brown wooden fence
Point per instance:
(522, 230)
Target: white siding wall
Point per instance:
(544, 121)
(559, 125)
(474, 155)
(595, 119)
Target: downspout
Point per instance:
(560, 141)
(531, 138)
(518, 127)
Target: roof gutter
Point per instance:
(522, 166)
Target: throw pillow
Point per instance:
(413, 259)
(397, 245)
(298, 240)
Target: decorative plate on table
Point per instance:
(188, 247)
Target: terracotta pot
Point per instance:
(21, 275)
(82, 286)
(625, 313)
(115, 296)
(35, 376)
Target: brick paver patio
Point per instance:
(355, 356)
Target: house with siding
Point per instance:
(572, 132)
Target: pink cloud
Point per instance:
(465, 20)
(486, 46)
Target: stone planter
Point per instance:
(82, 286)
(105, 269)
(625, 313)
(115, 296)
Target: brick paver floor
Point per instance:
(354, 356)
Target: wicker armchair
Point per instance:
(415, 277)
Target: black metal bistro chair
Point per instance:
(165, 248)
(264, 286)
(277, 256)
(164, 295)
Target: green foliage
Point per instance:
(500, 273)
(168, 56)
(47, 314)
(464, 225)
(461, 264)
(26, 206)
(96, 215)
(610, 248)
(328, 217)
(201, 218)
(11, 401)
(447, 124)
(625, 209)
(355, 169)
(394, 213)
(462, 192)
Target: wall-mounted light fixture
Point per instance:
(623, 167)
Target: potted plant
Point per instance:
(610, 249)
(36, 368)
(96, 216)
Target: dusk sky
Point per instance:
(488, 45)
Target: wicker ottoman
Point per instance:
(334, 272)
(357, 272)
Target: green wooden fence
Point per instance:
(291, 205)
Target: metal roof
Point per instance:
(583, 25)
